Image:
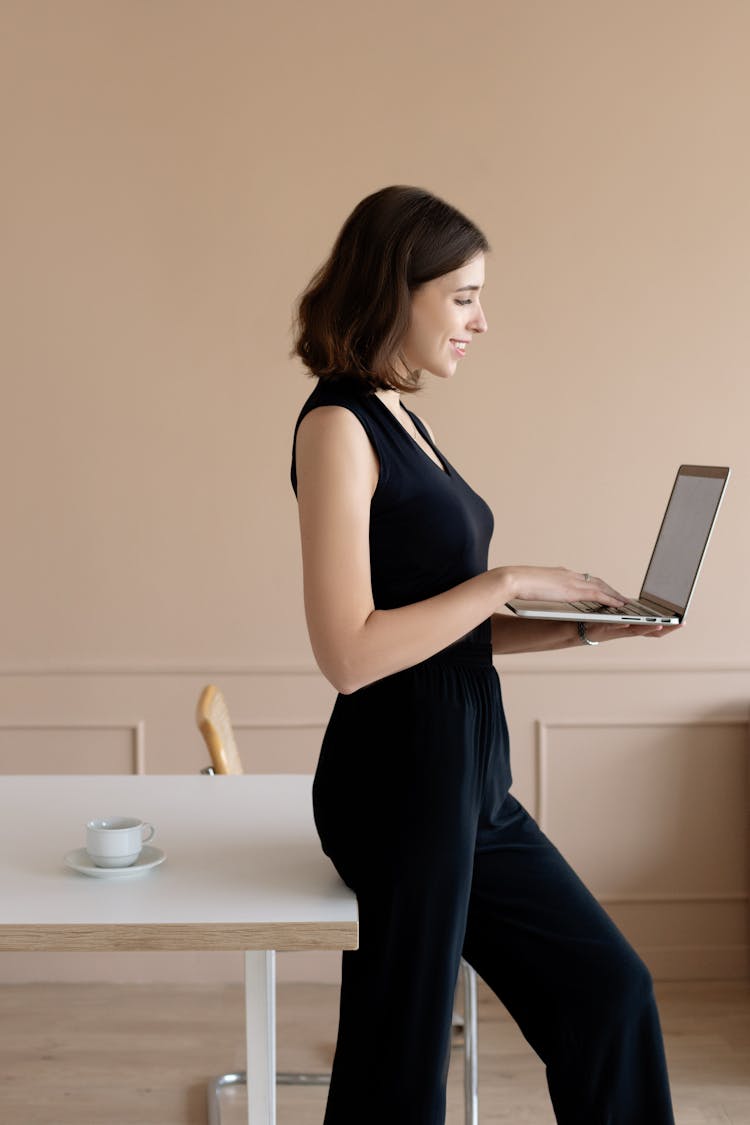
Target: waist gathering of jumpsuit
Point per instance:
(412, 805)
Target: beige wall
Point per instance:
(173, 173)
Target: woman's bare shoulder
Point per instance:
(328, 418)
(332, 438)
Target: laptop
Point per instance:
(676, 561)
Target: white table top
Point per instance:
(244, 867)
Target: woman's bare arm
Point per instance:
(354, 643)
(510, 634)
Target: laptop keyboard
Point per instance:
(620, 611)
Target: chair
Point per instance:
(215, 725)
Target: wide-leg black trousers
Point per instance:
(411, 803)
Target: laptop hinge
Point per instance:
(660, 607)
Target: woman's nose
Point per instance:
(478, 322)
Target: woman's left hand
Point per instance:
(602, 631)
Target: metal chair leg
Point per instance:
(471, 1085)
(215, 1086)
(283, 1078)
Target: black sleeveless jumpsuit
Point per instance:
(411, 803)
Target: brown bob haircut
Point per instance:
(354, 314)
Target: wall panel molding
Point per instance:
(713, 922)
(279, 724)
(544, 727)
(219, 669)
(136, 729)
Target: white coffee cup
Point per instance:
(116, 841)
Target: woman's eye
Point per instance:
(466, 302)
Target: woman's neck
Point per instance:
(391, 399)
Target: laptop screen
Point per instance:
(684, 534)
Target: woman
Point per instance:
(411, 793)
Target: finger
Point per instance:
(595, 589)
(593, 582)
(665, 630)
(607, 632)
(654, 630)
(610, 590)
(617, 630)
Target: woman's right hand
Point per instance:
(557, 584)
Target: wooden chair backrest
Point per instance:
(215, 725)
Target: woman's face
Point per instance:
(445, 316)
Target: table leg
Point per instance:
(260, 1026)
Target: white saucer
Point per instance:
(80, 860)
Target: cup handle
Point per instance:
(147, 832)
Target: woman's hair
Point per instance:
(354, 314)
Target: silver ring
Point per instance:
(582, 634)
(587, 578)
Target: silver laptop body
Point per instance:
(675, 563)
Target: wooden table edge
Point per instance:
(284, 937)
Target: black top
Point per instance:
(429, 530)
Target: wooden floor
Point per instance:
(140, 1055)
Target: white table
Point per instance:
(244, 871)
